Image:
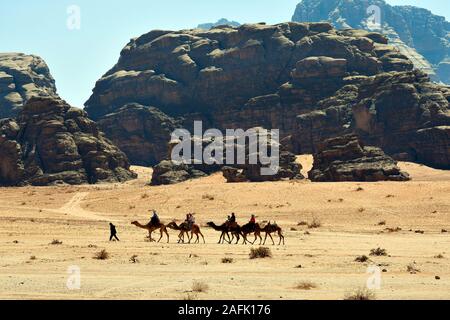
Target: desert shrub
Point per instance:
(134, 259)
(382, 223)
(302, 223)
(315, 223)
(305, 285)
(260, 253)
(412, 268)
(378, 252)
(56, 242)
(227, 260)
(208, 197)
(362, 258)
(102, 255)
(439, 256)
(199, 286)
(361, 294)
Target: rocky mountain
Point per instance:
(21, 78)
(51, 143)
(416, 32)
(220, 22)
(309, 80)
(345, 158)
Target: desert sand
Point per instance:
(350, 215)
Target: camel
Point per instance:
(272, 228)
(183, 228)
(250, 228)
(226, 229)
(153, 227)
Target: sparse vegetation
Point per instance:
(391, 230)
(362, 259)
(361, 294)
(293, 229)
(359, 189)
(56, 242)
(361, 210)
(134, 259)
(227, 260)
(144, 196)
(305, 285)
(208, 197)
(33, 258)
(412, 268)
(260, 253)
(439, 256)
(302, 223)
(315, 223)
(378, 252)
(382, 223)
(102, 255)
(198, 286)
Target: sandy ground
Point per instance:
(350, 213)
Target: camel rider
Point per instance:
(253, 219)
(232, 218)
(191, 220)
(155, 218)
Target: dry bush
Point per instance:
(362, 259)
(208, 197)
(378, 252)
(361, 210)
(439, 256)
(227, 260)
(56, 242)
(102, 255)
(315, 223)
(198, 286)
(361, 294)
(190, 297)
(412, 268)
(359, 189)
(134, 259)
(392, 230)
(382, 223)
(302, 223)
(305, 285)
(260, 253)
(144, 196)
(33, 258)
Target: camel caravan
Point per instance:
(188, 229)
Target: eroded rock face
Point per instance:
(253, 75)
(415, 32)
(393, 111)
(141, 132)
(346, 159)
(51, 143)
(22, 77)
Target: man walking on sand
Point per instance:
(113, 236)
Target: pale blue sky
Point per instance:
(78, 58)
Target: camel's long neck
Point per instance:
(216, 227)
(140, 226)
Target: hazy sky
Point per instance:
(78, 58)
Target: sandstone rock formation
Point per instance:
(345, 159)
(416, 32)
(307, 79)
(51, 143)
(141, 132)
(22, 77)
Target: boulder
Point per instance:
(21, 78)
(345, 158)
(51, 142)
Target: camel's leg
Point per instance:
(167, 234)
(203, 237)
(150, 236)
(273, 242)
(281, 238)
(265, 239)
(162, 233)
(256, 237)
(198, 239)
(238, 237)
